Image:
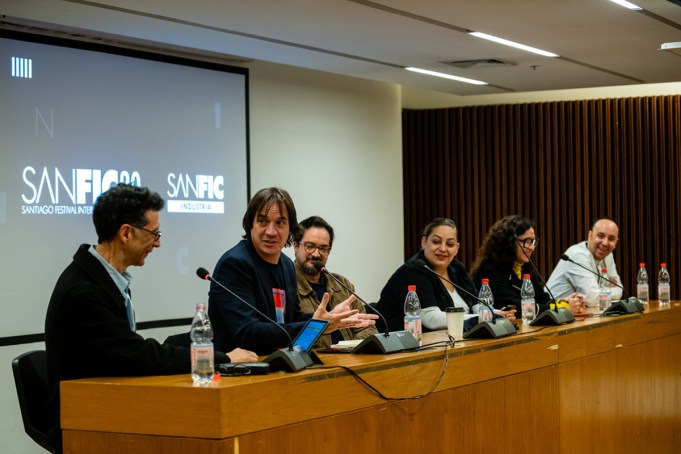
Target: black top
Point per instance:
(87, 334)
(506, 285)
(429, 288)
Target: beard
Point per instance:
(309, 269)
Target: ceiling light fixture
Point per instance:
(627, 4)
(513, 44)
(446, 76)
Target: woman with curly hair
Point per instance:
(504, 258)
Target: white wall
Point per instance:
(335, 144)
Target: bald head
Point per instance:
(603, 238)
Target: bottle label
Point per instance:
(528, 308)
(603, 301)
(413, 325)
(642, 292)
(663, 293)
(201, 351)
(484, 315)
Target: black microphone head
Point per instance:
(318, 265)
(565, 257)
(202, 273)
(420, 263)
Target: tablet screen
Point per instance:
(312, 331)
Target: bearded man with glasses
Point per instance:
(313, 244)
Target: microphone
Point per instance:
(557, 316)
(421, 263)
(568, 259)
(628, 306)
(487, 329)
(387, 342)
(319, 266)
(285, 359)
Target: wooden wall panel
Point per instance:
(562, 164)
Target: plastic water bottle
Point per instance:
(412, 313)
(527, 302)
(201, 334)
(663, 287)
(604, 292)
(642, 288)
(485, 294)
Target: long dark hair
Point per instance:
(499, 246)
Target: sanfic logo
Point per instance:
(83, 187)
(200, 194)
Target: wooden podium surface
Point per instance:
(598, 385)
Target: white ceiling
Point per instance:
(599, 42)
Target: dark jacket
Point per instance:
(235, 324)
(429, 288)
(87, 333)
(506, 285)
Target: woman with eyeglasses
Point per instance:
(504, 258)
(431, 271)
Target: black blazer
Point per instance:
(429, 288)
(87, 334)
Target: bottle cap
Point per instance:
(526, 276)
(485, 281)
(663, 265)
(604, 270)
(411, 288)
(642, 265)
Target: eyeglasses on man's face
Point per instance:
(157, 233)
(310, 248)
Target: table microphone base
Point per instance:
(551, 317)
(395, 341)
(622, 307)
(291, 360)
(491, 329)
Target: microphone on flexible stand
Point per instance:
(288, 359)
(621, 307)
(387, 342)
(495, 328)
(550, 317)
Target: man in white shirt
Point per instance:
(594, 254)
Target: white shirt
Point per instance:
(435, 318)
(568, 278)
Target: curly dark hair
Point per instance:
(499, 245)
(263, 200)
(123, 204)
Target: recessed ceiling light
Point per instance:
(626, 4)
(513, 44)
(446, 76)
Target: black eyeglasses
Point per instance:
(157, 233)
(528, 242)
(310, 248)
